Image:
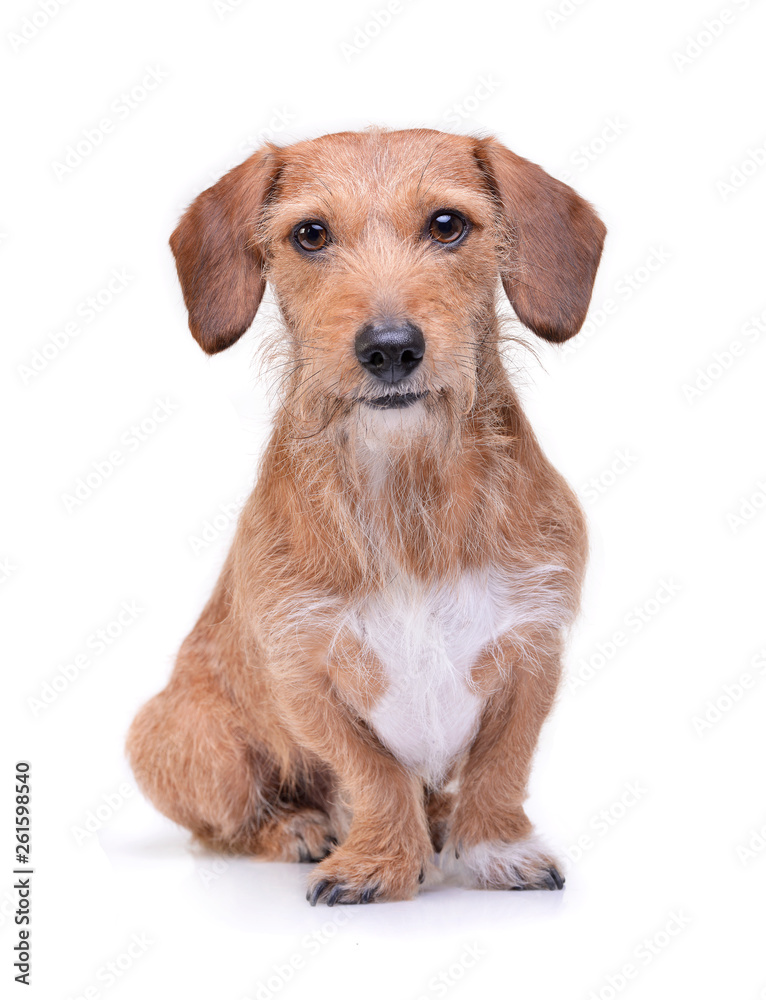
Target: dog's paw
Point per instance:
(520, 864)
(312, 835)
(301, 835)
(350, 877)
(439, 807)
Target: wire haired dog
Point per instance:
(367, 683)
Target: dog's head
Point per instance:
(384, 251)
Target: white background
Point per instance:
(662, 145)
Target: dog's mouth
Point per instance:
(394, 401)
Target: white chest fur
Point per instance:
(427, 639)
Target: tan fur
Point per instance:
(262, 741)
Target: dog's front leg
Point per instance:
(388, 845)
(490, 831)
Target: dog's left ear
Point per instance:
(218, 259)
(556, 241)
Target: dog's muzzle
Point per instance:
(388, 352)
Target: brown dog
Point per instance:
(368, 681)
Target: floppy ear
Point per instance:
(556, 241)
(219, 262)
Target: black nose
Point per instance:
(390, 352)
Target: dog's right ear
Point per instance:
(218, 258)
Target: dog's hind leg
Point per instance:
(197, 762)
(228, 774)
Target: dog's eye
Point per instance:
(311, 235)
(447, 227)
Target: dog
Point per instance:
(366, 686)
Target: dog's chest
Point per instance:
(427, 640)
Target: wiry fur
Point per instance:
(521, 864)
(383, 645)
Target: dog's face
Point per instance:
(382, 255)
(384, 250)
